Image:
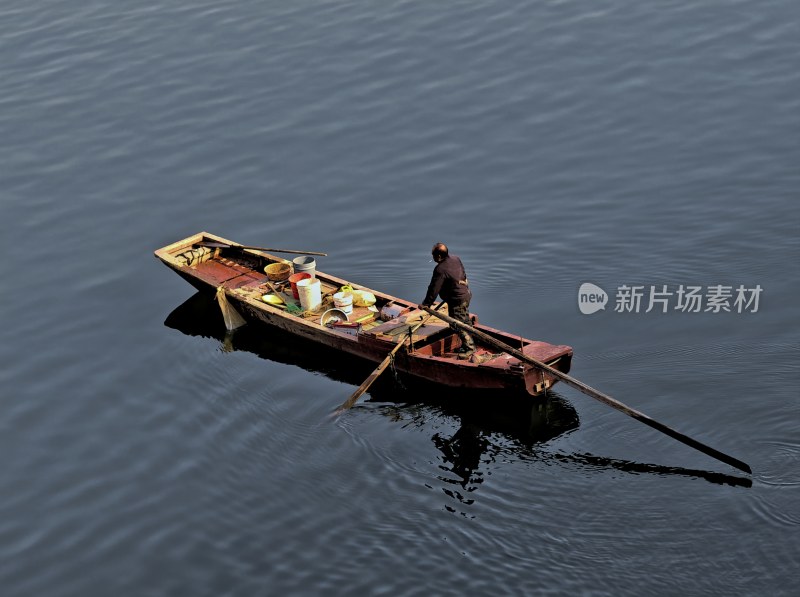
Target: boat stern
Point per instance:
(538, 381)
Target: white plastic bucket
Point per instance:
(310, 293)
(343, 301)
(305, 264)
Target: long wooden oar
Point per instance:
(215, 245)
(347, 404)
(597, 395)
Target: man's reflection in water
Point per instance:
(461, 455)
(528, 423)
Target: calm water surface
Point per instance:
(549, 144)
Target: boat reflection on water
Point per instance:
(488, 423)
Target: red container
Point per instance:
(294, 279)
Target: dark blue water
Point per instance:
(549, 144)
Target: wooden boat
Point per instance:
(237, 275)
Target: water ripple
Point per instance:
(547, 144)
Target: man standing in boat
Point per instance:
(449, 281)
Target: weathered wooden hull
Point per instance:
(240, 274)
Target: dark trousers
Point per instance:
(460, 311)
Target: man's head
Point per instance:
(439, 252)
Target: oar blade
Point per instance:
(350, 402)
(697, 445)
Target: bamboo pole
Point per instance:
(215, 245)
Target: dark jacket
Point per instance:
(449, 281)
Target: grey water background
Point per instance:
(548, 143)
